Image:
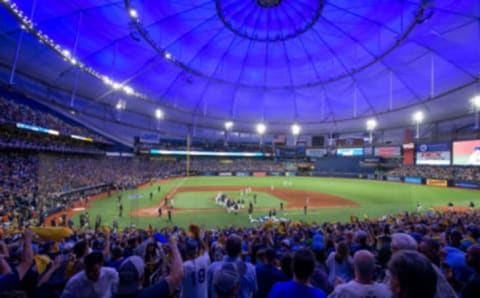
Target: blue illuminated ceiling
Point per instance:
(327, 65)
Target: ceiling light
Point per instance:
(128, 90)
(107, 80)
(418, 117)
(158, 113)
(133, 13)
(66, 53)
(371, 124)
(476, 101)
(296, 129)
(228, 125)
(261, 128)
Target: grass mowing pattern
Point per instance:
(377, 198)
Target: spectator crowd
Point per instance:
(12, 111)
(36, 184)
(438, 172)
(402, 255)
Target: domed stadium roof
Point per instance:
(327, 65)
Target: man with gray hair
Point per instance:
(412, 275)
(364, 284)
(403, 241)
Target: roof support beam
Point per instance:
(74, 54)
(19, 45)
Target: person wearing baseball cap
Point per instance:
(195, 267)
(131, 274)
(226, 281)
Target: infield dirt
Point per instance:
(296, 199)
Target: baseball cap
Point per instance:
(161, 238)
(318, 242)
(226, 278)
(130, 272)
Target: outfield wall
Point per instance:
(369, 176)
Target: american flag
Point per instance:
(279, 139)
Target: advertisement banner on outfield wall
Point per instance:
(207, 173)
(290, 173)
(242, 173)
(388, 151)
(316, 152)
(467, 184)
(335, 174)
(225, 174)
(437, 182)
(259, 174)
(275, 174)
(371, 176)
(413, 180)
(393, 178)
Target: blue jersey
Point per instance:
(289, 289)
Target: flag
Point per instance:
(279, 139)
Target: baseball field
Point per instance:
(327, 199)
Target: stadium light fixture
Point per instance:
(418, 118)
(476, 101)
(121, 105)
(261, 128)
(27, 24)
(66, 53)
(371, 124)
(296, 129)
(128, 90)
(476, 108)
(228, 125)
(158, 113)
(133, 13)
(107, 80)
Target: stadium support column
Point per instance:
(187, 170)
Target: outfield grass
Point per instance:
(376, 198)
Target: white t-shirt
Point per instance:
(80, 286)
(194, 283)
(354, 289)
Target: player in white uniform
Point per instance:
(194, 282)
